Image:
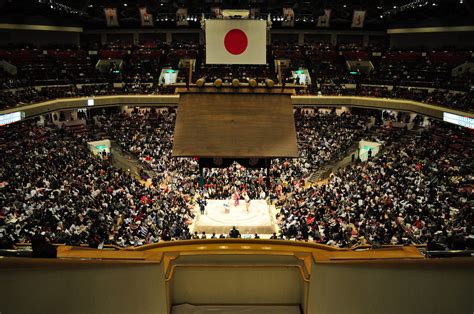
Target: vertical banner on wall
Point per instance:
(145, 17)
(323, 20)
(182, 17)
(358, 19)
(217, 12)
(254, 13)
(288, 17)
(111, 17)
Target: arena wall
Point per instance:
(56, 287)
(429, 286)
(38, 38)
(433, 40)
(422, 286)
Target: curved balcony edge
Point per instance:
(174, 249)
(40, 108)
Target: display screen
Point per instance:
(11, 117)
(459, 120)
(168, 76)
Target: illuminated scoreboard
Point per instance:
(11, 117)
(168, 76)
(459, 120)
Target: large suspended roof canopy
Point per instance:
(237, 125)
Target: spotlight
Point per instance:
(200, 82)
(269, 83)
(235, 83)
(218, 82)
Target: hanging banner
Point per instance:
(358, 19)
(323, 20)
(217, 12)
(288, 17)
(236, 41)
(111, 17)
(147, 19)
(182, 17)
(254, 13)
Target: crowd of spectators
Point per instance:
(30, 95)
(52, 184)
(141, 66)
(418, 189)
(322, 138)
(452, 99)
(413, 192)
(61, 189)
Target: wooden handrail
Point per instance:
(318, 252)
(304, 277)
(201, 241)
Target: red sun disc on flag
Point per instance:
(235, 41)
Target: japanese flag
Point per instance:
(236, 41)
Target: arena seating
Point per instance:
(380, 200)
(415, 191)
(325, 63)
(269, 157)
(360, 204)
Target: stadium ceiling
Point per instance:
(380, 13)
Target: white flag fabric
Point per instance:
(236, 41)
(358, 19)
(145, 17)
(111, 17)
(323, 20)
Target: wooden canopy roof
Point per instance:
(235, 125)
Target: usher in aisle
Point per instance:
(217, 219)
